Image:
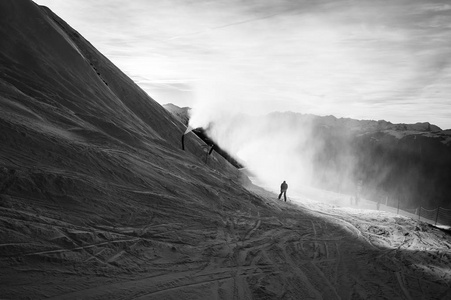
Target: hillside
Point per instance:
(99, 201)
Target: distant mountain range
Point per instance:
(409, 163)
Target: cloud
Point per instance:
(306, 56)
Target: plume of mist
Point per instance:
(274, 147)
(354, 158)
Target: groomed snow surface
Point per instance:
(301, 249)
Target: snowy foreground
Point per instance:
(305, 250)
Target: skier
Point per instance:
(283, 190)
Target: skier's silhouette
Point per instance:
(283, 190)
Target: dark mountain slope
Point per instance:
(49, 62)
(79, 138)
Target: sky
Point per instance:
(362, 59)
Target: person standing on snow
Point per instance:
(283, 190)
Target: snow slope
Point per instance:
(98, 201)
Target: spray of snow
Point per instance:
(274, 148)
